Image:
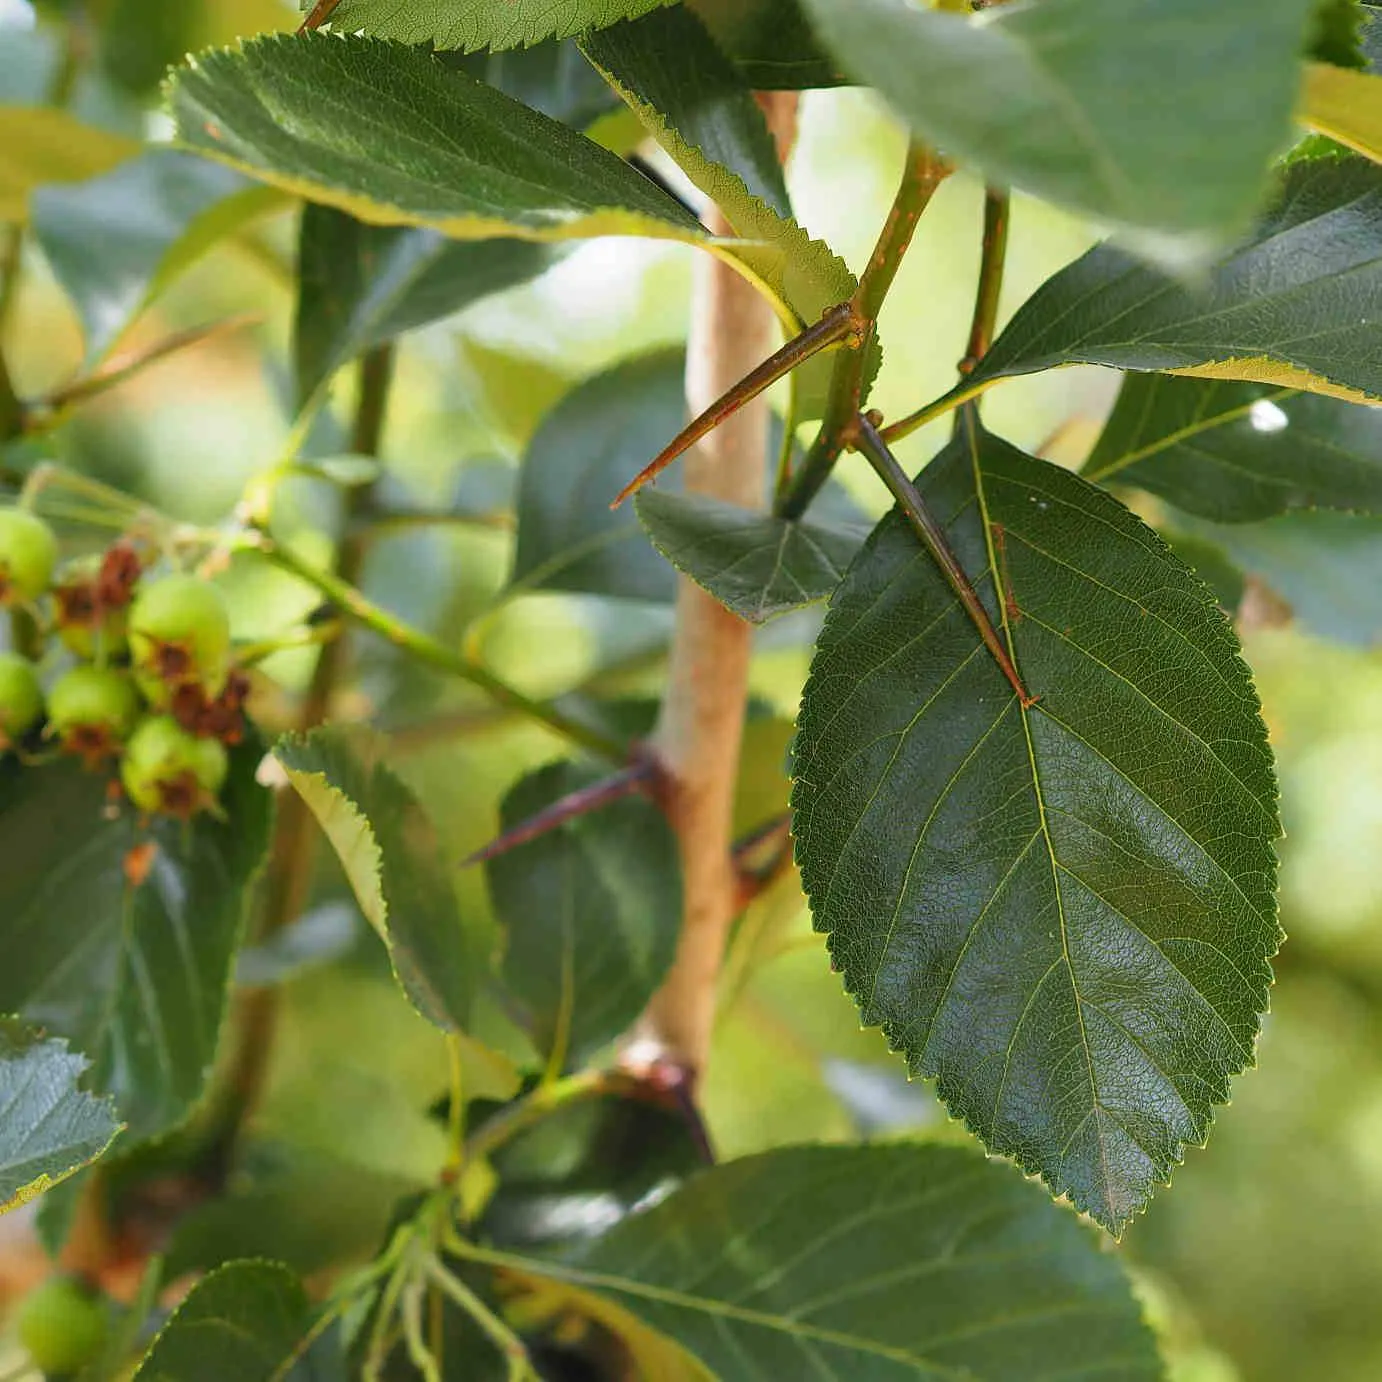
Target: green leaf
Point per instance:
(770, 42)
(152, 218)
(503, 170)
(393, 858)
(1063, 913)
(360, 285)
(1336, 32)
(877, 1264)
(1234, 452)
(473, 24)
(592, 910)
(752, 563)
(703, 114)
(316, 938)
(1101, 105)
(1270, 312)
(553, 78)
(50, 1127)
(135, 976)
(595, 440)
(39, 145)
(240, 1323)
(1345, 106)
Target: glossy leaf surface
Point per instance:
(591, 910)
(50, 1127)
(1236, 452)
(1101, 105)
(757, 565)
(393, 859)
(878, 1264)
(240, 1323)
(133, 974)
(1269, 312)
(1063, 914)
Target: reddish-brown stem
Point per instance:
(637, 777)
(320, 13)
(835, 325)
(933, 537)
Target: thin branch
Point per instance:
(993, 256)
(933, 537)
(837, 324)
(321, 12)
(924, 172)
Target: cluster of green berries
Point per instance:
(151, 686)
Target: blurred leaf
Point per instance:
(141, 39)
(552, 77)
(1100, 105)
(348, 471)
(1063, 913)
(584, 1168)
(315, 938)
(603, 432)
(40, 145)
(873, 1263)
(1234, 452)
(1268, 312)
(592, 911)
(393, 858)
(240, 1323)
(360, 285)
(117, 242)
(702, 112)
(752, 563)
(473, 24)
(1336, 32)
(770, 42)
(135, 976)
(1345, 106)
(50, 1127)
(323, 118)
(1211, 564)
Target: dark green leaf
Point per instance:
(592, 910)
(360, 285)
(770, 42)
(1063, 913)
(1270, 312)
(1234, 452)
(701, 111)
(1336, 32)
(152, 218)
(553, 78)
(876, 1264)
(588, 447)
(1211, 564)
(141, 39)
(135, 976)
(50, 1127)
(393, 859)
(1102, 105)
(754, 564)
(241, 1323)
(581, 1170)
(472, 24)
(350, 122)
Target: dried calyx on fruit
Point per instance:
(91, 711)
(179, 630)
(28, 553)
(21, 699)
(92, 597)
(168, 771)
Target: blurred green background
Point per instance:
(1264, 1261)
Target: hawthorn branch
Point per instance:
(700, 728)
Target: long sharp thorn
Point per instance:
(321, 12)
(933, 537)
(835, 325)
(635, 778)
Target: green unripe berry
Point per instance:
(21, 698)
(167, 771)
(84, 625)
(28, 553)
(179, 630)
(92, 711)
(63, 1325)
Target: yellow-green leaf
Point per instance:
(38, 146)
